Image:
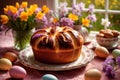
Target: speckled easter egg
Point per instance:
(49, 77)
(116, 52)
(101, 52)
(17, 72)
(11, 56)
(92, 74)
(5, 64)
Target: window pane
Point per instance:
(115, 18)
(99, 4)
(114, 4)
(68, 1)
(115, 21)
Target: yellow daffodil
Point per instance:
(10, 8)
(30, 11)
(85, 22)
(33, 7)
(4, 19)
(17, 5)
(23, 16)
(45, 9)
(40, 15)
(24, 5)
(6, 9)
(73, 17)
(13, 9)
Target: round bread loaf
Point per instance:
(56, 45)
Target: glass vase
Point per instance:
(83, 31)
(22, 39)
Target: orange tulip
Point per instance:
(45, 9)
(40, 15)
(4, 19)
(23, 16)
(24, 5)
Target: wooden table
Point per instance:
(6, 41)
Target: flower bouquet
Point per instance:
(75, 18)
(22, 20)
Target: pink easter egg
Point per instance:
(17, 72)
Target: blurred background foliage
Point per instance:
(100, 4)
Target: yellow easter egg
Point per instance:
(5, 64)
(92, 74)
(101, 52)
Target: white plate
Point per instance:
(26, 57)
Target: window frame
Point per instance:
(107, 11)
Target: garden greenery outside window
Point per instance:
(114, 17)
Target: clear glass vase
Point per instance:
(83, 31)
(22, 39)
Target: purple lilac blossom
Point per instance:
(37, 10)
(20, 10)
(118, 60)
(91, 8)
(63, 9)
(110, 71)
(108, 61)
(92, 17)
(66, 22)
(45, 21)
(54, 24)
(9, 13)
(51, 13)
(81, 6)
(76, 10)
(15, 16)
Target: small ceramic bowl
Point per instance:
(109, 43)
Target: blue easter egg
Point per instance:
(49, 77)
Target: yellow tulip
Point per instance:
(4, 19)
(40, 15)
(23, 16)
(45, 9)
(24, 5)
(13, 9)
(33, 7)
(30, 12)
(17, 5)
(6, 9)
(85, 22)
(73, 17)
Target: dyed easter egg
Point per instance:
(49, 77)
(92, 74)
(101, 52)
(11, 56)
(17, 72)
(116, 53)
(5, 64)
